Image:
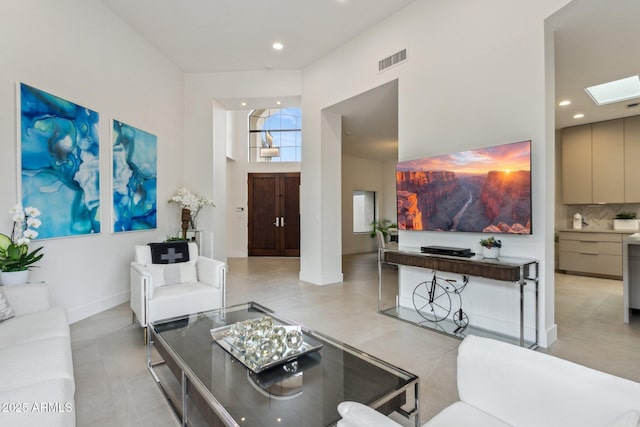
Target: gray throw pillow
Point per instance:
(6, 312)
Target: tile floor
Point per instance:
(114, 388)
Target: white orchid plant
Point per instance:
(193, 202)
(14, 249)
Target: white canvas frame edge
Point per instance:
(111, 179)
(19, 155)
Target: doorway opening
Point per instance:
(369, 146)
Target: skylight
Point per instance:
(615, 91)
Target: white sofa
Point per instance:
(36, 370)
(501, 384)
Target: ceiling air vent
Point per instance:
(392, 60)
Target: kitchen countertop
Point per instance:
(630, 273)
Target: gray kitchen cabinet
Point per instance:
(631, 158)
(576, 165)
(607, 139)
(591, 253)
(597, 163)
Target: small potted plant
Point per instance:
(15, 257)
(625, 221)
(384, 225)
(490, 247)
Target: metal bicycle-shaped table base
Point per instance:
(432, 300)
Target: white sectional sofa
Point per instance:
(501, 385)
(36, 371)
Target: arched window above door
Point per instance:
(275, 135)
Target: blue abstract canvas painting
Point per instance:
(135, 167)
(60, 163)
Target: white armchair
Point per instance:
(162, 291)
(502, 385)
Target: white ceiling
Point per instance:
(596, 41)
(370, 123)
(204, 36)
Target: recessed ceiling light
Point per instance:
(578, 116)
(244, 104)
(278, 102)
(564, 103)
(615, 91)
(277, 46)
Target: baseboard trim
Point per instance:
(237, 254)
(322, 281)
(550, 336)
(79, 313)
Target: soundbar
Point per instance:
(446, 250)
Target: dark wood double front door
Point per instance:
(274, 214)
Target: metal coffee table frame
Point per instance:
(192, 387)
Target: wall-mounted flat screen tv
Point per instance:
(487, 190)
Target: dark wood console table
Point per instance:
(505, 269)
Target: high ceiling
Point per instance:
(370, 123)
(595, 41)
(204, 36)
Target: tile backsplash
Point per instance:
(597, 216)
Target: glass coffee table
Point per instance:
(207, 385)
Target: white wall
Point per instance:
(389, 206)
(475, 77)
(368, 175)
(80, 51)
(481, 64)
